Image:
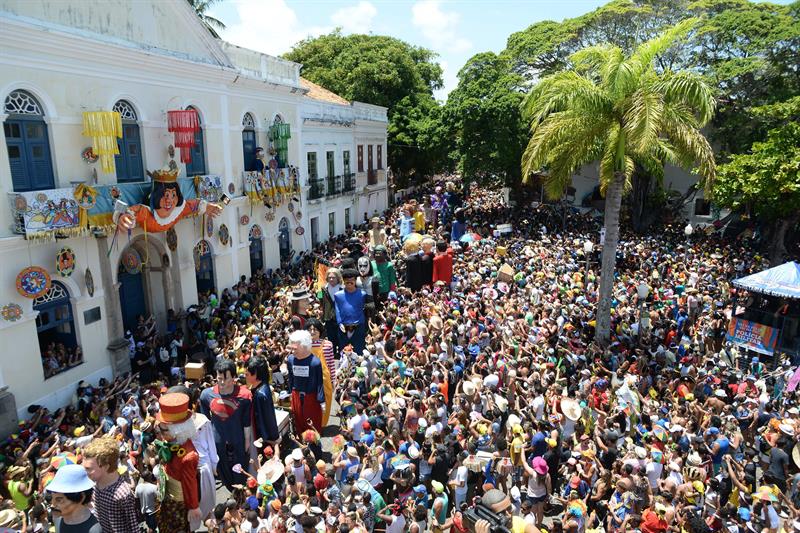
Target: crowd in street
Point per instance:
(453, 340)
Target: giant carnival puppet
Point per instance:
(186, 487)
(166, 206)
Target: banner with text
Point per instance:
(751, 335)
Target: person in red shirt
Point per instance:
(653, 521)
(443, 264)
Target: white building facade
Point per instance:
(141, 59)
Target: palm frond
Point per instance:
(643, 118)
(691, 147)
(691, 90)
(593, 59)
(642, 58)
(561, 91)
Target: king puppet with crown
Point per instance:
(167, 205)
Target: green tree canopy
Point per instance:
(765, 182)
(483, 114)
(384, 71)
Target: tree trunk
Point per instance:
(609, 259)
(777, 248)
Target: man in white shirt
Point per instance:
(459, 480)
(395, 521)
(355, 422)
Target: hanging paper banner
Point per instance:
(46, 212)
(753, 336)
(104, 127)
(184, 123)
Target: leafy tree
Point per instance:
(383, 71)
(484, 115)
(766, 181)
(621, 111)
(212, 24)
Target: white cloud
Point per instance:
(273, 27)
(438, 26)
(357, 18)
(449, 78)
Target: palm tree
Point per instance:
(621, 111)
(212, 24)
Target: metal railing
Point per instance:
(334, 186)
(349, 182)
(316, 189)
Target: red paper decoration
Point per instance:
(184, 124)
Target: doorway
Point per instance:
(256, 249)
(131, 297)
(204, 267)
(284, 239)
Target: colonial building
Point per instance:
(188, 104)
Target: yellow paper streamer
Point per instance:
(104, 127)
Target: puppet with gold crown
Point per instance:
(167, 205)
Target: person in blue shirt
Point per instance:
(350, 304)
(406, 223)
(459, 225)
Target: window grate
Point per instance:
(22, 103)
(125, 110)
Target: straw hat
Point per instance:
(571, 409)
(271, 471)
(469, 388)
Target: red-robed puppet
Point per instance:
(178, 489)
(167, 206)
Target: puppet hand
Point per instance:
(194, 515)
(213, 210)
(126, 221)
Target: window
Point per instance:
(27, 143)
(331, 224)
(702, 207)
(130, 166)
(346, 217)
(56, 331)
(380, 156)
(369, 158)
(314, 232)
(331, 164)
(312, 166)
(346, 161)
(249, 142)
(197, 166)
(361, 158)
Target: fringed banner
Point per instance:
(184, 123)
(104, 127)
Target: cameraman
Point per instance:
(497, 501)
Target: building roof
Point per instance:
(317, 92)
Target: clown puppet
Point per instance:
(181, 509)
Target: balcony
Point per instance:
(316, 189)
(334, 186)
(349, 182)
(372, 177)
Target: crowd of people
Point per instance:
(452, 340)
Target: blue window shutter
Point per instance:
(130, 166)
(197, 166)
(29, 155)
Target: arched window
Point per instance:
(56, 331)
(27, 143)
(197, 166)
(249, 142)
(129, 163)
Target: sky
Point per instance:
(454, 29)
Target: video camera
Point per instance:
(497, 523)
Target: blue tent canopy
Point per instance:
(783, 280)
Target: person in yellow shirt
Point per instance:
(419, 217)
(515, 451)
